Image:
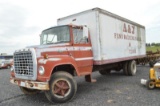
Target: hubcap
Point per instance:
(61, 88)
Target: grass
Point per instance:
(153, 48)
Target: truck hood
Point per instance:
(48, 46)
(55, 49)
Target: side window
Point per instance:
(78, 36)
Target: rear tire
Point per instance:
(28, 91)
(132, 69)
(125, 68)
(62, 87)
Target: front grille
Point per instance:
(23, 63)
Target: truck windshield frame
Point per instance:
(55, 35)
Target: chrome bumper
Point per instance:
(30, 84)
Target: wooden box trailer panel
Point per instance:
(113, 38)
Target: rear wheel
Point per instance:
(150, 84)
(62, 87)
(28, 91)
(132, 68)
(125, 68)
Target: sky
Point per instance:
(21, 21)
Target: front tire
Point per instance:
(62, 87)
(150, 84)
(28, 91)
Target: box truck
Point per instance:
(93, 40)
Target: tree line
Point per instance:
(153, 44)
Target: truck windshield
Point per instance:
(55, 35)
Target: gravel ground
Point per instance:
(111, 90)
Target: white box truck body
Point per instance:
(113, 38)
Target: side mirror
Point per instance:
(85, 32)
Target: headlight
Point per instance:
(12, 68)
(41, 70)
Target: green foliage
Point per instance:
(153, 44)
(152, 48)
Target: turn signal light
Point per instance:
(46, 56)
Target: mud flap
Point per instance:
(88, 78)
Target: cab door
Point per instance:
(82, 50)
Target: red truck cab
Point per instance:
(65, 51)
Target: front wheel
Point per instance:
(150, 84)
(62, 87)
(28, 91)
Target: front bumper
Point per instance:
(30, 84)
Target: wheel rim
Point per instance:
(61, 88)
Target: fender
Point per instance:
(52, 61)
